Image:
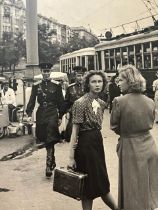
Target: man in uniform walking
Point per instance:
(49, 113)
(74, 92)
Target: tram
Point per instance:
(140, 49)
(85, 57)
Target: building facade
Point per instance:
(12, 17)
(84, 33)
(13, 20)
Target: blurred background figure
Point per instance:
(155, 89)
(114, 90)
(74, 92)
(8, 98)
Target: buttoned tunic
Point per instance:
(132, 117)
(50, 99)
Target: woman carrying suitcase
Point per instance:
(86, 146)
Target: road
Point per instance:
(28, 189)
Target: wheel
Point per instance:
(2, 132)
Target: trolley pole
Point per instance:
(31, 41)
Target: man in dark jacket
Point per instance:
(49, 114)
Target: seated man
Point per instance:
(8, 98)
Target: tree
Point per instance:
(77, 43)
(48, 51)
(11, 50)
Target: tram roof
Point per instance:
(130, 40)
(81, 52)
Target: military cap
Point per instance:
(45, 65)
(79, 69)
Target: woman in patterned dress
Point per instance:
(132, 118)
(86, 146)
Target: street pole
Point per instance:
(31, 41)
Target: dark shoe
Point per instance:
(48, 172)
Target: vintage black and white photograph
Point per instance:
(79, 105)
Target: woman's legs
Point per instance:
(109, 201)
(87, 204)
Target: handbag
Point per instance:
(69, 183)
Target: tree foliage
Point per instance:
(11, 50)
(48, 51)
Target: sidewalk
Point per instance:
(10, 145)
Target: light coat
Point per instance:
(132, 117)
(9, 97)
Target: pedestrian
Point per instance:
(8, 98)
(132, 118)
(50, 99)
(155, 89)
(114, 90)
(88, 157)
(15, 84)
(73, 92)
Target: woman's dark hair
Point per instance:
(89, 75)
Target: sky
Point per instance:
(97, 15)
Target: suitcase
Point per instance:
(69, 183)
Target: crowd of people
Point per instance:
(132, 116)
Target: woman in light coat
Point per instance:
(132, 118)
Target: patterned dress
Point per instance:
(89, 154)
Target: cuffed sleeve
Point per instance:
(115, 117)
(31, 103)
(60, 102)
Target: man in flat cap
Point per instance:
(74, 92)
(49, 113)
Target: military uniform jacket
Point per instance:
(50, 98)
(74, 92)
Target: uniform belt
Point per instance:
(46, 104)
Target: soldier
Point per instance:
(49, 114)
(74, 92)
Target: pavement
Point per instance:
(24, 182)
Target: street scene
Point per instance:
(78, 105)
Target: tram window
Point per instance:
(131, 60)
(99, 60)
(112, 52)
(147, 61)
(147, 47)
(138, 49)
(155, 59)
(83, 60)
(107, 64)
(107, 54)
(139, 61)
(112, 64)
(118, 61)
(118, 52)
(131, 50)
(155, 46)
(90, 62)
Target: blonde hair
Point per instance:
(135, 80)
